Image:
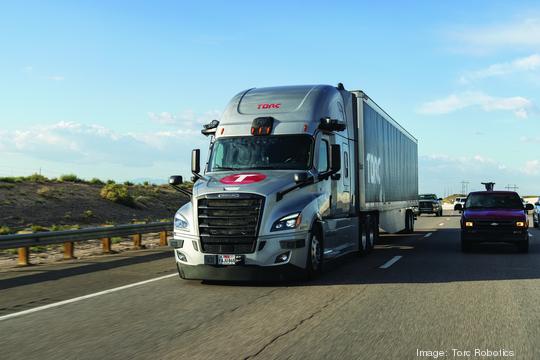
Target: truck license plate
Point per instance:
(226, 259)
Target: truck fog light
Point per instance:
(282, 257)
(181, 256)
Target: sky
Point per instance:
(119, 89)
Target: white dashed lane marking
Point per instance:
(390, 262)
(441, 224)
(427, 235)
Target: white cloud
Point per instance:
(531, 167)
(454, 102)
(525, 64)
(185, 118)
(28, 69)
(72, 142)
(521, 33)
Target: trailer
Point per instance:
(296, 176)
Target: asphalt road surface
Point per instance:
(414, 295)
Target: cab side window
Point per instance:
(322, 160)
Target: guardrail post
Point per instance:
(137, 241)
(68, 250)
(163, 238)
(24, 256)
(106, 245)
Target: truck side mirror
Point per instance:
(458, 207)
(196, 161)
(175, 180)
(440, 199)
(300, 177)
(335, 158)
(529, 206)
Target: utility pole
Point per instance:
(464, 187)
(513, 188)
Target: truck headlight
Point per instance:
(288, 222)
(180, 223)
(520, 223)
(469, 224)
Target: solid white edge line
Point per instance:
(69, 301)
(390, 262)
(427, 235)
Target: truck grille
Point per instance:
(489, 225)
(425, 205)
(229, 223)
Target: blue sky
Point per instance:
(119, 89)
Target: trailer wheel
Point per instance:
(370, 231)
(314, 259)
(363, 240)
(409, 222)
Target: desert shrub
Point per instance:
(88, 213)
(128, 183)
(117, 193)
(111, 182)
(38, 228)
(36, 178)
(45, 191)
(146, 183)
(7, 186)
(11, 179)
(96, 181)
(4, 230)
(64, 227)
(70, 178)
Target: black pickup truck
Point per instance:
(430, 204)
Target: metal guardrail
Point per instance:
(67, 237)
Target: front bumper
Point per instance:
(475, 236)
(240, 272)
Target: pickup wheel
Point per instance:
(465, 246)
(314, 259)
(535, 222)
(523, 246)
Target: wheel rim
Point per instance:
(315, 253)
(371, 237)
(364, 240)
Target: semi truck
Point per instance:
(296, 176)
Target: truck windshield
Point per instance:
(281, 152)
(428, 197)
(494, 201)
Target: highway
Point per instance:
(414, 294)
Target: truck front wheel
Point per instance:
(314, 261)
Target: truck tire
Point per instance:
(314, 258)
(363, 239)
(409, 222)
(370, 234)
(535, 222)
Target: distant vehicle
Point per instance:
(536, 214)
(459, 200)
(430, 204)
(494, 216)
